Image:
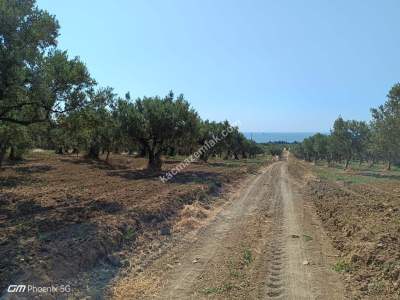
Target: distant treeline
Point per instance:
(276, 148)
(51, 101)
(279, 143)
(377, 140)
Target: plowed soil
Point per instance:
(266, 242)
(360, 210)
(67, 220)
(221, 230)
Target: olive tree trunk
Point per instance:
(155, 161)
(3, 150)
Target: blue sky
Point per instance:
(267, 65)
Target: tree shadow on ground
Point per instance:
(23, 172)
(94, 163)
(64, 238)
(196, 177)
(15, 181)
(136, 174)
(380, 175)
(227, 164)
(181, 177)
(34, 169)
(174, 162)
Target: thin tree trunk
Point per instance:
(330, 160)
(2, 154)
(315, 159)
(59, 150)
(227, 156)
(12, 155)
(75, 151)
(371, 163)
(142, 152)
(204, 157)
(347, 164)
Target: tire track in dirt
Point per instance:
(222, 232)
(275, 287)
(270, 218)
(301, 244)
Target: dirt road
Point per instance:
(265, 243)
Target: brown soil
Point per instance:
(363, 220)
(265, 242)
(68, 220)
(115, 231)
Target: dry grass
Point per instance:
(191, 217)
(360, 211)
(60, 215)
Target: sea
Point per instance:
(290, 137)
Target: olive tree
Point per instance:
(342, 140)
(386, 125)
(37, 81)
(157, 123)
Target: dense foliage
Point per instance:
(378, 140)
(49, 100)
